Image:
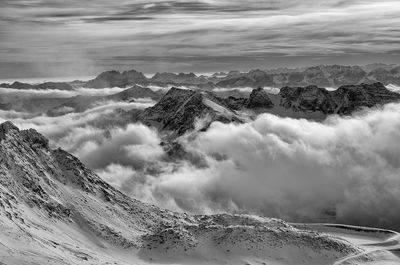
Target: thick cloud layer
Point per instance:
(59, 128)
(345, 169)
(342, 170)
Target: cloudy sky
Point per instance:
(44, 38)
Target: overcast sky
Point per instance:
(43, 38)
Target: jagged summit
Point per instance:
(117, 79)
(6, 128)
(179, 109)
(183, 110)
(345, 100)
(259, 99)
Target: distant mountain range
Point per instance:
(322, 76)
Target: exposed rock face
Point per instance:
(54, 210)
(179, 110)
(310, 98)
(354, 97)
(259, 99)
(117, 79)
(344, 100)
(42, 86)
(236, 103)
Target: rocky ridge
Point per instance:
(117, 79)
(42, 86)
(180, 109)
(322, 76)
(183, 110)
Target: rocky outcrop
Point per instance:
(310, 98)
(180, 109)
(344, 100)
(117, 79)
(354, 97)
(259, 99)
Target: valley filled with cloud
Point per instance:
(343, 170)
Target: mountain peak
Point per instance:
(179, 109)
(33, 138)
(117, 79)
(259, 99)
(7, 127)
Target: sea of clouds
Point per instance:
(343, 170)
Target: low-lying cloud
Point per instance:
(56, 93)
(344, 169)
(58, 128)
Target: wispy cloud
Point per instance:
(86, 36)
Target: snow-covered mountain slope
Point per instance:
(379, 246)
(54, 210)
